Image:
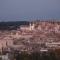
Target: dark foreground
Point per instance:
(36, 56)
(17, 55)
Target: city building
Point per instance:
(28, 27)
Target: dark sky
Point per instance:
(29, 9)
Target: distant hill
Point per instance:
(15, 24)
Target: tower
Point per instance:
(32, 25)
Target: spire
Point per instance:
(32, 26)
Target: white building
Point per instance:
(4, 57)
(39, 28)
(5, 43)
(26, 27)
(57, 27)
(53, 44)
(43, 50)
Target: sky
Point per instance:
(14, 10)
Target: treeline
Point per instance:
(17, 55)
(36, 56)
(12, 25)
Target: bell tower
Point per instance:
(32, 25)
